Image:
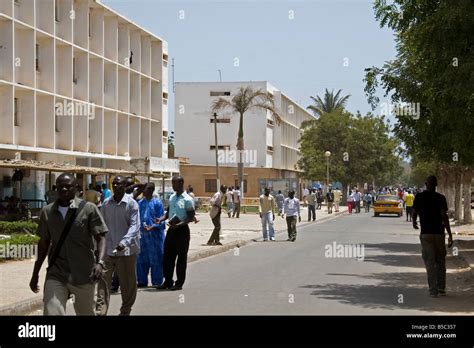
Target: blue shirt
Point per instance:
(107, 193)
(149, 211)
(180, 205)
(291, 207)
(123, 221)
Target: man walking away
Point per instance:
(367, 201)
(305, 196)
(267, 214)
(330, 199)
(121, 214)
(357, 198)
(229, 199)
(150, 258)
(337, 199)
(409, 199)
(179, 214)
(280, 199)
(319, 198)
(215, 214)
(311, 205)
(68, 228)
(291, 209)
(432, 208)
(350, 201)
(236, 194)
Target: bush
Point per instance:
(20, 239)
(18, 227)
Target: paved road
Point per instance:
(282, 277)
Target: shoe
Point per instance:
(164, 287)
(142, 285)
(293, 239)
(176, 287)
(265, 239)
(217, 243)
(442, 292)
(288, 240)
(272, 239)
(433, 294)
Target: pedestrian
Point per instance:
(350, 201)
(122, 216)
(305, 196)
(319, 198)
(330, 199)
(311, 205)
(357, 199)
(69, 228)
(106, 193)
(215, 214)
(367, 201)
(150, 258)
(291, 209)
(337, 199)
(180, 213)
(93, 196)
(409, 199)
(236, 194)
(433, 210)
(229, 200)
(280, 199)
(266, 210)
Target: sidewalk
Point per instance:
(16, 298)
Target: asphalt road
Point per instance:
(285, 278)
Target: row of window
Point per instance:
(210, 185)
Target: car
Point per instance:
(388, 204)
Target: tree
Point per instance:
(330, 103)
(433, 69)
(171, 145)
(245, 100)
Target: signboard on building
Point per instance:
(165, 165)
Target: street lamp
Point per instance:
(218, 180)
(327, 154)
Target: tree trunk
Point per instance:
(240, 148)
(450, 195)
(457, 194)
(466, 185)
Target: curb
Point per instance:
(30, 305)
(22, 307)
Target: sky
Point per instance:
(299, 46)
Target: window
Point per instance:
(16, 113)
(219, 147)
(56, 119)
(220, 94)
(269, 148)
(56, 10)
(238, 184)
(165, 133)
(221, 120)
(74, 75)
(165, 57)
(37, 58)
(165, 95)
(210, 185)
(270, 122)
(17, 2)
(89, 24)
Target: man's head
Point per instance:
(237, 187)
(223, 188)
(409, 191)
(104, 186)
(291, 194)
(118, 184)
(66, 185)
(279, 191)
(178, 183)
(431, 183)
(149, 190)
(97, 187)
(266, 192)
(129, 182)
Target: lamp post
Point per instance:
(218, 180)
(327, 154)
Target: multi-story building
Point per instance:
(81, 84)
(271, 149)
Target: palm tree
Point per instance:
(330, 103)
(245, 99)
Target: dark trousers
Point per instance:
(291, 224)
(433, 251)
(409, 211)
(311, 212)
(115, 281)
(236, 209)
(357, 206)
(217, 229)
(176, 246)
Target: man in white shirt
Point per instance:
(305, 195)
(291, 208)
(236, 194)
(229, 198)
(215, 214)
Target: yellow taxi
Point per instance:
(388, 204)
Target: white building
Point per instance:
(268, 145)
(81, 84)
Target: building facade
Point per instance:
(271, 149)
(81, 84)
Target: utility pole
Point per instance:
(172, 71)
(218, 180)
(220, 74)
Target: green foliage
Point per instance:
(23, 239)
(7, 227)
(434, 67)
(328, 104)
(361, 149)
